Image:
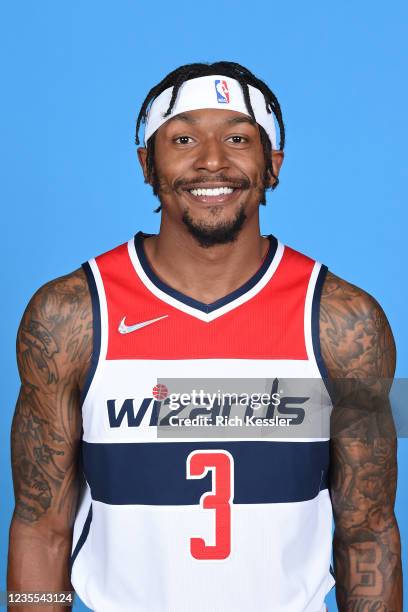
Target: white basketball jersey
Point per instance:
(205, 444)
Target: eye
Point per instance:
(183, 140)
(238, 139)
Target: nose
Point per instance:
(211, 156)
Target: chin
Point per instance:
(217, 231)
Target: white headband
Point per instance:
(215, 91)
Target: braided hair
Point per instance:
(192, 71)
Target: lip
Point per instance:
(213, 185)
(223, 198)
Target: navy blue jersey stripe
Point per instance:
(185, 299)
(316, 326)
(82, 538)
(155, 473)
(96, 324)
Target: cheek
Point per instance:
(256, 176)
(169, 168)
(253, 166)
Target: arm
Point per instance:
(359, 352)
(53, 351)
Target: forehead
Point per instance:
(207, 118)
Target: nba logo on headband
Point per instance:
(223, 95)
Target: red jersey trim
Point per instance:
(269, 325)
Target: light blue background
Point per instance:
(74, 75)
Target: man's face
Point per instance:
(210, 169)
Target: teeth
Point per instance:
(211, 192)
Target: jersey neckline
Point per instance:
(192, 303)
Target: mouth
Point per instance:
(213, 195)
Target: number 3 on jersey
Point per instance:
(221, 464)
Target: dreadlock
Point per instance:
(192, 71)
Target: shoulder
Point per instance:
(58, 301)
(355, 335)
(57, 326)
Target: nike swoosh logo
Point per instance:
(127, 329)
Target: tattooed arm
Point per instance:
(53, 352)
(359, 352)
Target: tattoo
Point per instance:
(364, 560)
(41, 347)
(365, 605)
(359, 351)
(35, 494)
(54, 348)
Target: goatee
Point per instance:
(210, 235)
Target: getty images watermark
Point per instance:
(241, 408)
(253, 403)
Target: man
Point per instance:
(186, 521)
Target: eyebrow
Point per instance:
(243, 119)
(183, 117)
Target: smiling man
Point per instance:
(139, 518)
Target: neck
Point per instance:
(205, 274)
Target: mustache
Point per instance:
(235, 182)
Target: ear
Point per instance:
(142, 156)
(277, 161)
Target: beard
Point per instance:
(208, 235)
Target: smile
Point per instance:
(212, 195)
(211, 192)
